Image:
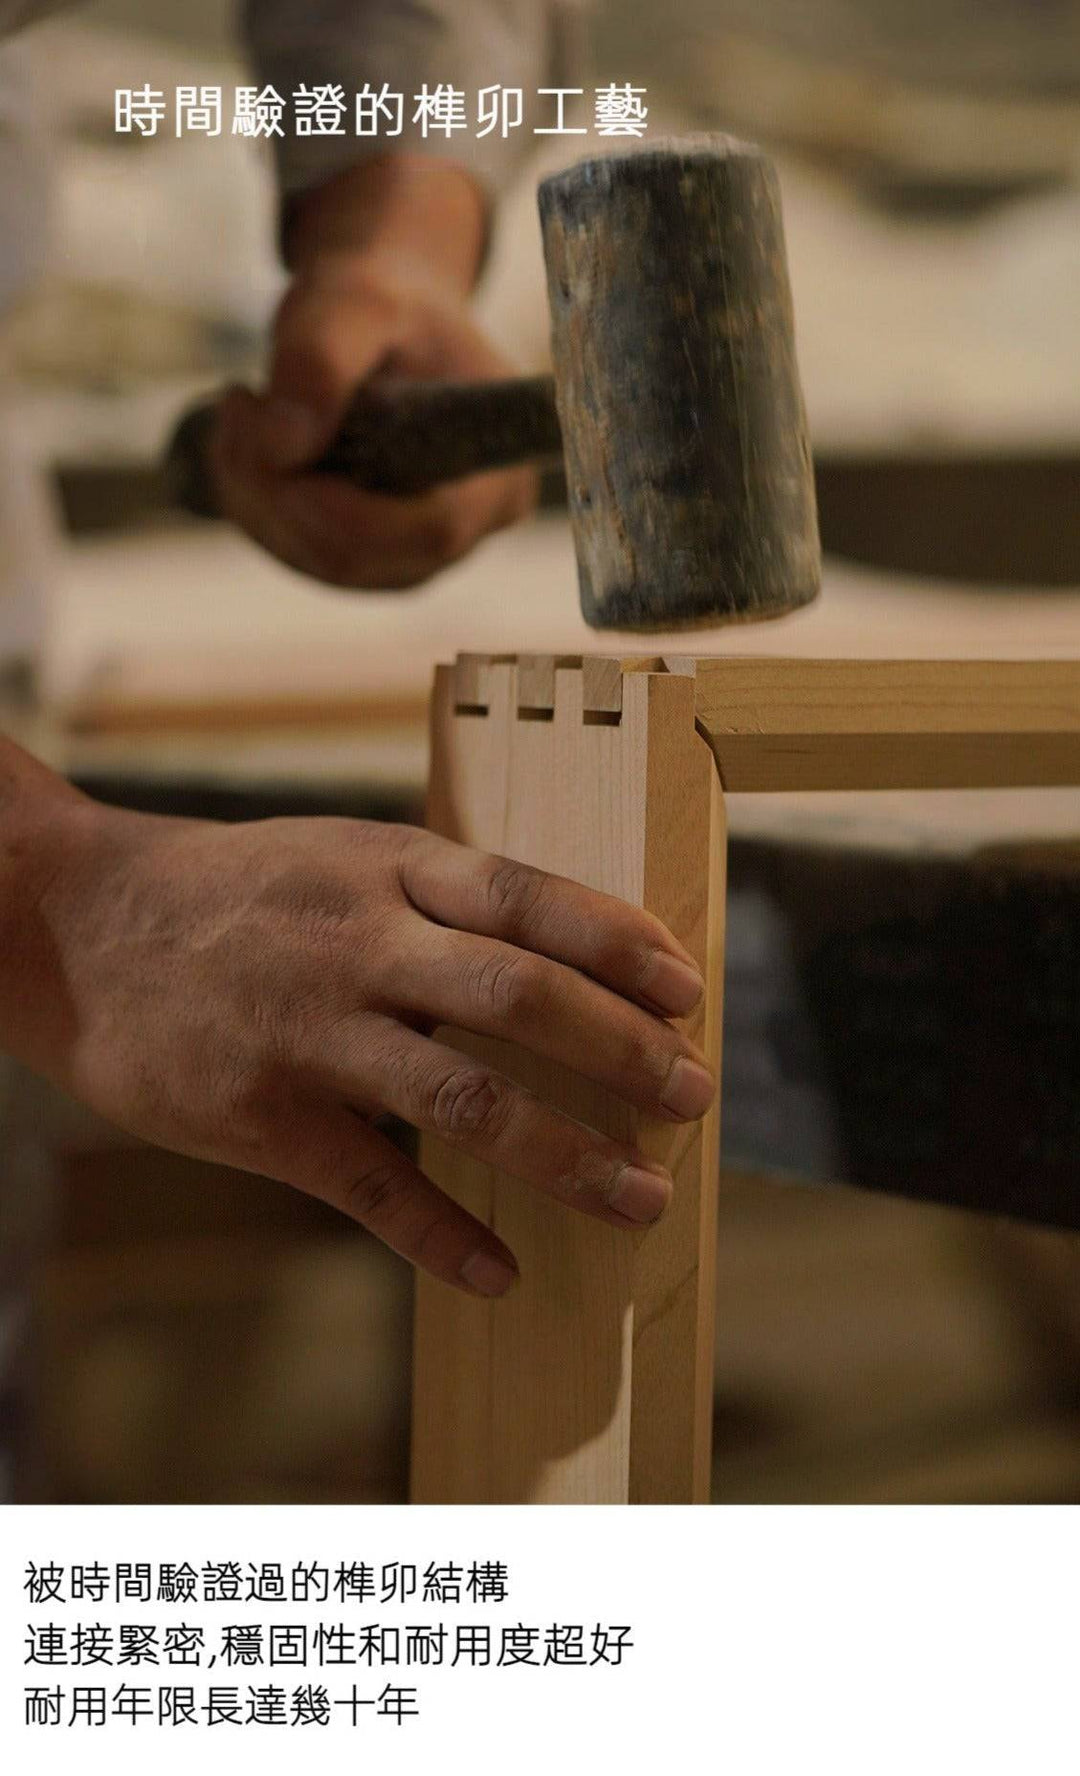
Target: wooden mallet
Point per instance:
(675, 399)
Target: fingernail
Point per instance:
(293, 432)
(641, 1196)
(689, 1090)
(487, 1274)
(676, 987)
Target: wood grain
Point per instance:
(804, 724)
(591, 1383)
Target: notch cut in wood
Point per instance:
(806, 724)
(535, 680)
(592, 1380)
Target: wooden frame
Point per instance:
(592, 1382)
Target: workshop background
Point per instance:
(903, 988)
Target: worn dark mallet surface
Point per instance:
(688, 463)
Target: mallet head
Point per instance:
(688, 462)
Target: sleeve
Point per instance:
(467, 44)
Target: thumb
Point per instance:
(326, 342)
(312, 374)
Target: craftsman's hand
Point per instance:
(259, 994)
(383, 259)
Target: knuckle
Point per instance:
(250, 1107)
(642, 1058)
(325, 926)
(364, 292)
(377, 1192)
(470, 1103)
(615, 954)
(650, 1058)
(515, 892)
(619, 949)
(429, 1239)
(247, 1094)
(399, 846)
(305, 319)
(510, 987)
(395, 836)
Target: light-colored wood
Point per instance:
(224, 715)
(776, 724)
(592, 1381)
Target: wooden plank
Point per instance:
(591, 1382)
(776, 724)
(451, 1407)
(675, 1282)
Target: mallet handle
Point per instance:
(399, 440)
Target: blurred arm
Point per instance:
(467, 44)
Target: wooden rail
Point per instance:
(776, 724)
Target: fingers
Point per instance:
(334, 533)
(621, 946)
(347, 1163)
(322, 526)
(498, 1122)
(327, 340)
(494, 989)
(331, 335)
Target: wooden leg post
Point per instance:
(592, 1381)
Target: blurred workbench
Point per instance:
(178, 628)
(187, 654)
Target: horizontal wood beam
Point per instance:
(795, 724)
